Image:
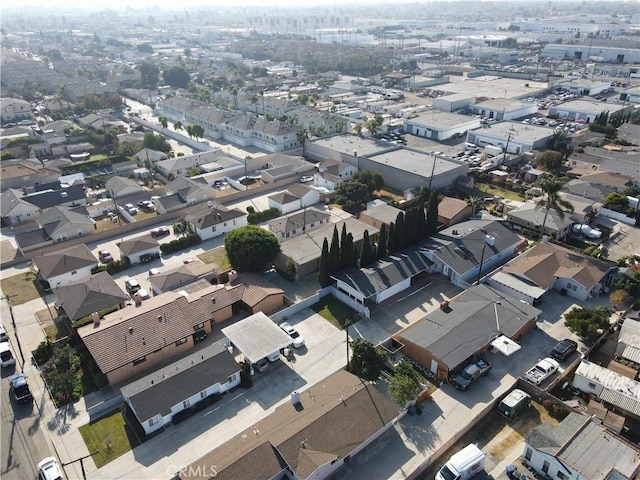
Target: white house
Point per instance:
(296, 197)
(119, 187)
(209, 222)
(332, 173)
(291, 226)
(580, 448)
(135, 248)
(66, 266)
(14, 210)
(200, 377)
(629, 340)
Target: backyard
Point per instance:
(217, 256)
(499, 191)
(20, 288)
(333, 310)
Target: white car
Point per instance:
(3, 334)
(48, 469)
(6, 355)
(298, 341)
(131, 285)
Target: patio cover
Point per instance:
(505, 345)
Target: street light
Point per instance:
(84, 475)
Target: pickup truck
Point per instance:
(541, 371)
(471, 373)
(20, 387)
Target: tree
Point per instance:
(475, 203)
(251, 248)
(156, 142)
(66, 366)
(177, 77)
(344, 260)
(404, 386)
(629, 282)
(551, 200)
(145, 48)
(374, 124)
(357, 128)
(373, 180)
(549, 160)
(334, 252)
(149, 74)
(392, 242)
(302, 135)
(351, 194)
(618, 202)
(588, 322)
(177, 125)
(367, 256)
(618, 298)
(366, 360)
(197, 131)
(324, 277)
(163, 121)
(432, 212)
(382, 242)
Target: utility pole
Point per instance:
(13, 323)
(84, 475)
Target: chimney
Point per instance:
(233, 275)
(137, 299)
(96, 319)
(295, 397)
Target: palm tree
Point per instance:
(254, 102)
(475, 203)
(163, 121)
(551, 200)
(177, 125)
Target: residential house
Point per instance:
(215, 160)
(148, 157)
(98, 292)
(60, 223)
(464, 328)
(618, 392)
(382, 279)
(14, 109)
(380, 215)
(57, 195)
(584, 209)
(119, 187)
(157, 397)
(529, 217)
(332, 173)
(624, 162)
(66, 266)
(298, 439)
(297, 196)
(580, 448)
(280, 166)
(274, 135)
(549, 266)
(15, 210)
(136, 247)
(296, 224)
(191, 191)
(137, 338)
(304, 251)
(25, 173)
(452, 211)
(209, 222)
(466, 251)
(629, 340)
(169, 203)
(617, 182)
(179, 277)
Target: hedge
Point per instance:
(114, 266)
(86, 320)
(257, 217)
(180, 243)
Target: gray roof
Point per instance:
(297, 220)
(257, 336)
(81, 299)
(529, 214)
(418, 163)
(460, 247)
(346, 144)
(438, 120)
(158, 392)
(385, 273)
(170, 202)
(383, 213)
(118, 184)
(138, 244)
(52, 198)
(207, 217)
(64, 261)
(584, 445)
(469, 324)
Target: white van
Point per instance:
(471, 147)
(6, 355)
(514, 403)
(463, 465)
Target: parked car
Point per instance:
(142, 293)
(261, 365)
(3, 334)
(48, 469)
(306, 179)
(298, 340)
(149, 257)
(514, 403)
(471, 373)
(6, 355)
(541, 371)
(131, 285)
(20, 387)
(564, 350)
(105, 256)
(160, 231)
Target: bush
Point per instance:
(256, 217)
(43, 353)
(180, 243)
(86, 320)
(113, 266)
(182, 415)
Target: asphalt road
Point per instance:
(22, 438)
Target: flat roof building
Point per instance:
(438, 125)
(520, 138)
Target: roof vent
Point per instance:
(130, 329)
(159, 318)
(96, 318)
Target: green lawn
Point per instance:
(111, 436)
(97, 157)
(333, 310)
(19, 288)
(499, 192)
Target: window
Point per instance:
(181, 341)
(74, 272)
(139, 360)
(213, 229)
(562, 476)
(186, 403)
(203, 394)
(313, 225)
(234, 222)
(199, 326)
(545, 466)
(528, 453)
(225, 224)
(151, 422)
(591, 385)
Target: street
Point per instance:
(22, 440)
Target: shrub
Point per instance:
(43, 353)
(86, 320)
(180, 243)
(256, 217)
(113, 266)
(182, 415)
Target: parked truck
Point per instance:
(542, 370)
(463, 465)
(493, 150)
(471, 373)
(20, 387)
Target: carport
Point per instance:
(257, 337)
